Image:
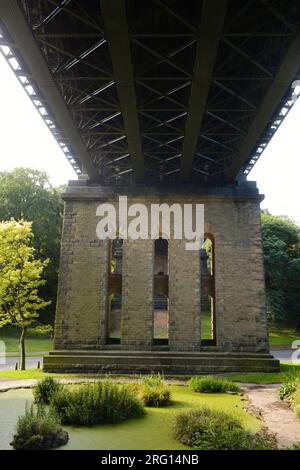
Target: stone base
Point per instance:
(167, 362)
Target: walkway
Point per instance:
(278, 417)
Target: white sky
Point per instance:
(26, 141)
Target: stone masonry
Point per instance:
(232, 217)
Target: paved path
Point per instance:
(285, 355)
(278, 417)
(31, 362)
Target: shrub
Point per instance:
(39, 428)
(100, 402)
(154, 392)
(153, 380)
(206, 428)
(286, 390)
(45, 389)
(156, 396)
(212, 385)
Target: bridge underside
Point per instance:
(155, 92)
(162, 101)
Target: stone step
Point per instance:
(172, 363)
(122, 352)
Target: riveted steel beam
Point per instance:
(278, 88)
(25, 44)
(116, 33)
(210, 34)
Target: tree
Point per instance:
(281, 245)
(27, 194)
(20, 279)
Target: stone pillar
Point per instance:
(184, 297)
(137, 294)
(81, 299)
(241, 319)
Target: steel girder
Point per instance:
(166, 92)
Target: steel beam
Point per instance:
(116, 33)
(210, 34)
(287, 70)
(24, 42)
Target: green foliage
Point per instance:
(158, 395)
(20, 278)
(281, 246)
(295, 447)
(154, 380)
(96, 403)
(212, 385)
(40, 331)
(154, 392)
(210, 429)
(37, 420)
(286, 390)
(27, 194)
(20, 275)
(39, 428)
(45, 389)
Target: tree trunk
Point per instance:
(22, 349)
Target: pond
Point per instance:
(151, 432)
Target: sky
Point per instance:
(26, 141)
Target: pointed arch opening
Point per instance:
(114, 299)
(161, 292)
(208, 294)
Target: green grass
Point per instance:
(32, 374)
(255, 377)
(282, 336)
(265, 377)
(206, 325)
(32, 344)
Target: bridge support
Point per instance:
(95, 280)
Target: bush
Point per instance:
(286, 390)
(206, 428)
(156, 396)
(38, 429)
(154, 392)
(45, 390)
(212, 385)
(153, 380)
(96, 403)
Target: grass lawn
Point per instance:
(32, 344)
(282, 336)
(30, 374)
(277, 336)
(286, 370)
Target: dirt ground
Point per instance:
(278, 417)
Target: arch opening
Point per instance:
(161, 292)
(208, 302)
(114, 300)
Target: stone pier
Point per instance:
(239, 338)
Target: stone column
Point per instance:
(241, 319)
(184, 297)
(81, 300)
(137, 294)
